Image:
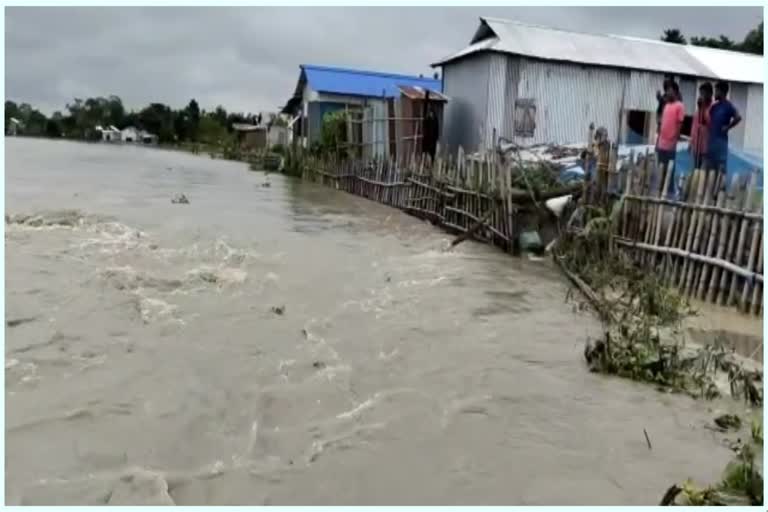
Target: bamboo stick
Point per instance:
(753, 248)
(732, 240)
(691, 231)
(720, 194)
(757, 289)
(698, 228)
(742, 235)
(722, 240)
(724, 264)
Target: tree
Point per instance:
(753, 42)
(722, 42)
(673, 35)
(193, 109)
(211, 131)
(157, 118)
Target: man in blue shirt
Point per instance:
(722, 117)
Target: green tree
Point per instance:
(722, 42)
(193, 110)
(673, 35)
(211, 131)
(753, 43)
(157, 118)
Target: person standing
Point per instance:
(672, 118)
(723, 116)
(699, 128)
(431, 131)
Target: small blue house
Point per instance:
(371, 94)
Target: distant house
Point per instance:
(250, 136)
(14, 126)
(134, 135)
(537, 85)
(108, 134)
(371, 97)
(148, 138)
(130, 134)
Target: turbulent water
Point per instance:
(290, 344)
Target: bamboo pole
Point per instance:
(722, 241)
(691, 231)
(730, 248)
(698, 228)
(716, 223)
(742, 235)
(757, 229)
(757, 289)
(724, 264)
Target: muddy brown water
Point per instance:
(144, 363)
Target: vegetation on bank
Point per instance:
(78, 121)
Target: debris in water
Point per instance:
(278, 310)
(318, 364)
(647, 439)
(18, 321)
(180, 199)
(266, 184)
(728, 422)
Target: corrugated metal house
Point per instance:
(369, 94)
(534, 84)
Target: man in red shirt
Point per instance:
(699, 130)
(669, 131)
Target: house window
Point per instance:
(525, 117)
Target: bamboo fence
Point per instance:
(471, 195)
(708, 244)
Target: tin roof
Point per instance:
(362, 83)
(547, 43)
(245, 127)
(419, 93)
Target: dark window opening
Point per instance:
(637, 126)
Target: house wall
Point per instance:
(753, 120)
(569, 97)
(738, 96)
(465, 82)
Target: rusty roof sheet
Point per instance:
(416, 92)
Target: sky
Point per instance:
(247, 58)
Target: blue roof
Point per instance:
(363, 83)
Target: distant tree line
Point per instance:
(752, 43)
(189, 124)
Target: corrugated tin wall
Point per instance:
(570, 97)
(641, 90)
(375, 129)
(738, 96)
(753, 120)
(466, 84)
(497, 98)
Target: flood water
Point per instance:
(145, 364)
